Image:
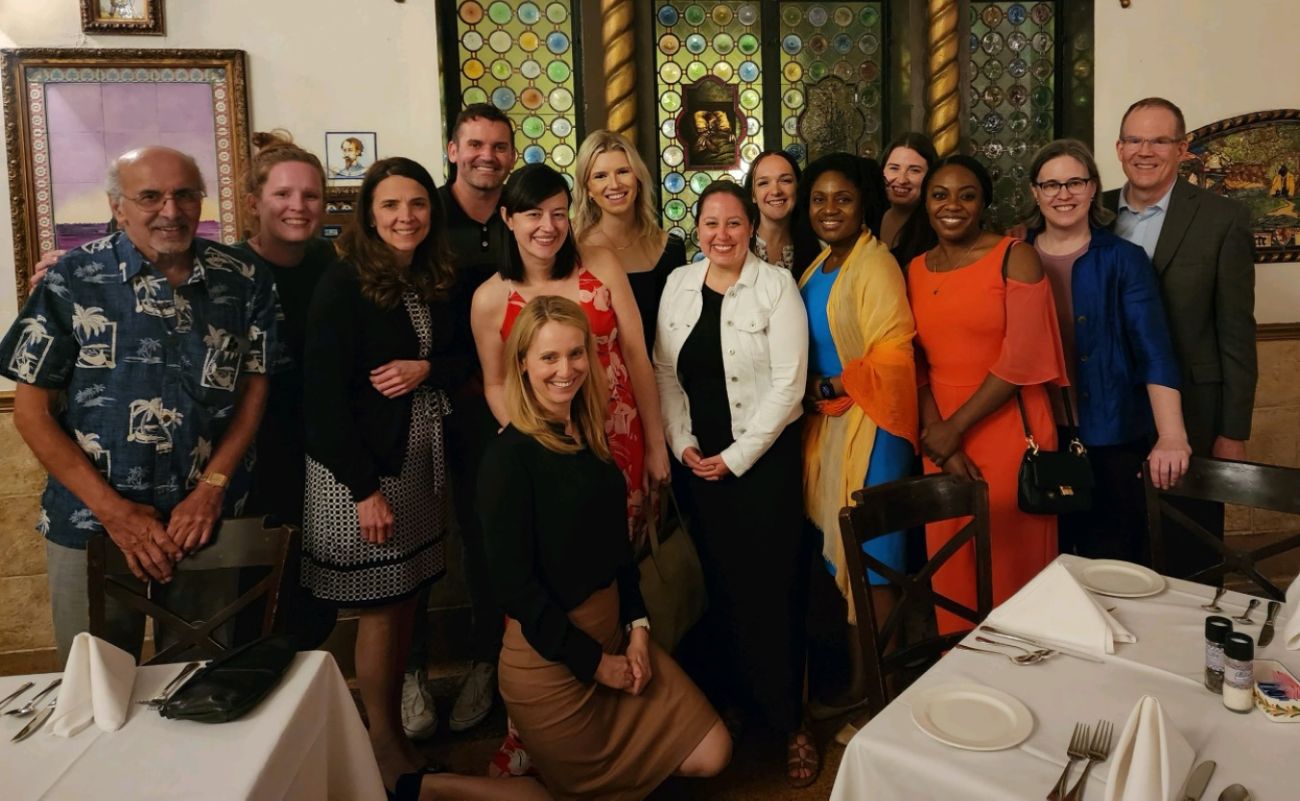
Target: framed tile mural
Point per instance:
(72, 111)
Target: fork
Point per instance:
(1213, 605)
(1018, 659)
(1098, 750)
(1041, 653)
(30, 707)
(1076, 750)
(1244, 617)
(166, 692)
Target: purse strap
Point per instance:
(654, 521)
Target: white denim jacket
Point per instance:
(764, 353)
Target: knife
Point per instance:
(1198, 781)
(1039, 644)
(36, 723)
(1266, 633)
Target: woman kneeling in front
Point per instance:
(606, 714)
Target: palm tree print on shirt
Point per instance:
(97, 335)
(33, 345)
(146, 352)
(151, 423)
(100, 457)
(221, 364)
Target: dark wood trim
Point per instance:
(1273, 332)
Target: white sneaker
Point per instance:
(419, 716)
(475, 699)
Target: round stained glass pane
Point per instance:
(817, 16)
(530, 69)
(797, 151)
(1082, 68)
(1041, 42)
(842, 43)
(792, 15)
(557, 42)
(747, 44)
(722, 14)
(974, 43)
(818, 44)
(1017, 94)
(529, 41)
(994, 150)
(500, 41)
(792, 71)
(749, 99)
(472, 41)
(503, 97)
(561, 126)
(792, 44)
(843, 16)
(532, 98)
(670, 101)
(471, 12)
(992, 122)
(699, 182)
(752, 126)
(723, 43)
(674, 209)
(870, 122)
(499, 12)
(557, 13)
(870, 96)
(1016, 41)
(501, 69)
(749, 151)
(695, 43)
(1082, 42)
(534, 154)
(562, 155)
(474, 94)
(1016, 148)
(992, 43)
(1017, 68)
(868, 43)
(1041, 13)
(993, 69)
(869, 71)
(1042, 69)
(1043, 121)
(792, 99)
(667, 16)
(992, 96)
(669, 44)
(670, 72)
(1042, 96)
(694, 15)
(672, 155)
(749, 72)
(747, 15)
(723, 70)
(678, 232)
(1016, 14)
(561, 99)
(791, 126)
(842, 70)
(992, 16)
(817, 70)
(473, 69)
(1082, 97)
(1018, 171)
(696, 70)
(532, 126)
(869, 17)
(529, 13)
(1018, 122)
(669, 128)
(674, 182)
(558, 71)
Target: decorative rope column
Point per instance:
(943, 81)
(620, 68)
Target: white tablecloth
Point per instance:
(893, 760)
(304, 742)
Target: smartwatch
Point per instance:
(825, 389)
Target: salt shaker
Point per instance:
(1217, 629)
(1239, 672)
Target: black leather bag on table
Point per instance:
(672, 581)
(1054, 482)
(231, 685)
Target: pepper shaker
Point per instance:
(1217, 629)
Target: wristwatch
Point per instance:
(825, 389)
(218, 480)
(639, 623)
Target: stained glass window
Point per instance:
(522, 58)
(831, 84)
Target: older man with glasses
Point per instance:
(141, 363)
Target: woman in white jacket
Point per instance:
(731, 359)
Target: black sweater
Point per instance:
(352, 429)
(555, 527)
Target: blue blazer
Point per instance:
(1121, 340)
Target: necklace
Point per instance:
(952, 266)
(615, 245)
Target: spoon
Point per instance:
(1244, 617)
(1213, 605)
(1234, 792)
(28, 709)
(1021, 659)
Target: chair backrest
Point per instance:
(905, 506)
(1259, 486)
(236, 543)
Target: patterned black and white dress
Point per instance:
(339, 566)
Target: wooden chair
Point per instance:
(237, 543)
(1258, 486)
(905, 506)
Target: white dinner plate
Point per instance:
(972, 716)
(1120, 579)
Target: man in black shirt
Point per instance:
(482, 153)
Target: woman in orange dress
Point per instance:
(986, 328)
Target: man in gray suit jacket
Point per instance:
(1203, 252)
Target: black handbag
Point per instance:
(232, 684)
(1054, 482)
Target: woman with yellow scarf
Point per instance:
(862, 375)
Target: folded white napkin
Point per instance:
(1054, 606)
(1292, 608)
(97, 684)
(1151, 759)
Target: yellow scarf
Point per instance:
(872, 328)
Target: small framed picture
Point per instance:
(349, 154)
(123, 17)
(340, 202)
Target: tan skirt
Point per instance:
(592, 742)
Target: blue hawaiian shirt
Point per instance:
(149, 373)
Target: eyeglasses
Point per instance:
(1158, 143)
(152, 200)
(1053, 188)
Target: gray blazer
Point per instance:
(1205, 259)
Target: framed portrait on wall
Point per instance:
(710, 125)
(348, 154)
(71, 112)
(122, 17)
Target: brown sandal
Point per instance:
(802, 757)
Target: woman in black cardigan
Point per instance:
(380, 354)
